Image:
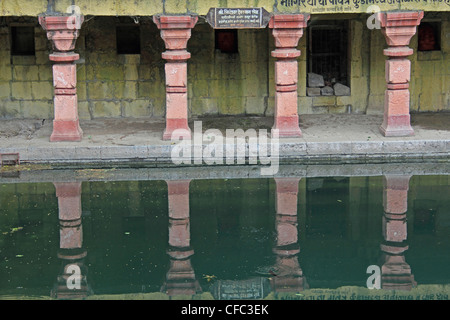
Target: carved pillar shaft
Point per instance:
(398, 29)
(287, 31)
(63, 32)
(176, 31)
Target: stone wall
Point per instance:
(26, 89)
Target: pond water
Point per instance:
(307, 237)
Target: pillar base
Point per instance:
(66, 130)
(287, 127)
(181, 126)
(397, 126)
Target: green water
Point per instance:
(229, 242)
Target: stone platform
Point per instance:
(326, 139)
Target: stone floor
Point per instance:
(338, 136)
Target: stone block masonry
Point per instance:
(26, 88)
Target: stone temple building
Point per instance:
(71, 60)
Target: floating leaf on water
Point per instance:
(16, 229)
(208, 277)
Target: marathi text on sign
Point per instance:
(236, 18)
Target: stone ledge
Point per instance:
(301, 152)
(127, 172)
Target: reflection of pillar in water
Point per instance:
(72, 281)
(180, 279)
(288, 276)
(395, 272)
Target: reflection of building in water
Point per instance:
(395, 272)
(285, 275)
(288, 276)
(180, 279)
(72, 281)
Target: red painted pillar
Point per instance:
(180, 279)
(395, 271)
(176, 31)
(63, 32)
(288, 276)
(287, 31)
(398, 29)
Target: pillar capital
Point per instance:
(287, 29)
(399, 27)
(289, 21)
(175, 31)
(62, 31)
(175, 22)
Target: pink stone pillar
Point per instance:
(288, 276)
(395, 271)
(398, 29)
(63, 32)
(176, 31)
(180, 279)
(287, 31)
